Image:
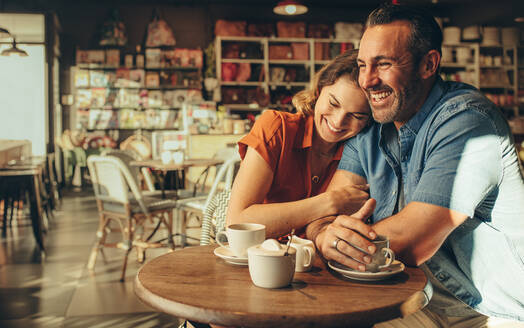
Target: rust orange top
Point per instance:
(284, 141)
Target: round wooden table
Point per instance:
(194, 284)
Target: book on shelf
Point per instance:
(83, 98)
(152, 79)
(155, 98)
(82, 78)
(94, 118)
(82, 119)
(153, 57)
(97, 79)
(127, 98)
(138, 76)
(113, 57)
(98, 97)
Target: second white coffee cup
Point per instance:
(241, 236)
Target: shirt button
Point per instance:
(394, 192)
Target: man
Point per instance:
(444, 173)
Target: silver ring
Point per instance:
(335, 243)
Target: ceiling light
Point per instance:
(289, 8)
(14, 50)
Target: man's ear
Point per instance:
(429, 64)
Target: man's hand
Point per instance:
(349, 230)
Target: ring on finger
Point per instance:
(335, 243)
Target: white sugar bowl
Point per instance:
(270, 266)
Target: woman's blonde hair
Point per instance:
(346, 63)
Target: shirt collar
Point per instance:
(434, 96)
(306, 141)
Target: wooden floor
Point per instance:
(58, 290)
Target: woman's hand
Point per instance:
(337, 240)
(347, 199)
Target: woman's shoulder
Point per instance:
(273, 120)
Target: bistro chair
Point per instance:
(119, 199)
(214, 217)
(194, 207)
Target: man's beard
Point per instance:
(401, 110)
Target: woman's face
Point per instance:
(341, 110)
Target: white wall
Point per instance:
(23, 104)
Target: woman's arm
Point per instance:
(252, 184)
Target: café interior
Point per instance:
(149, 99)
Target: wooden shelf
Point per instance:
(243, 60)
(234, 83)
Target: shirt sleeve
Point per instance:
(350, 158)
(265, 137)
(463, 163)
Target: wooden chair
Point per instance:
(119, 199)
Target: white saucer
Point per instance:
(395, 268)
(226, 254)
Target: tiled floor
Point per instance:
(58, 290)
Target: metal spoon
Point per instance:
(289, 242)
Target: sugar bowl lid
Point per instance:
(270, 247)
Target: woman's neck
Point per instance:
(321, 147)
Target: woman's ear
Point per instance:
(429, 64)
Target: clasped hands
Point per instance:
(336, 241)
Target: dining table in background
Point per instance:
(194, 284)
(20, 176)
(157, 165)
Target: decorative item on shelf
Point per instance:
(260, 29)
(451, 35)
(510, 36)
(280, 52)
(471, 33)
(230, 28)
(159, 33)
(348, 31)
(291, 29)
(113, 31)
(491, 36)
(290, 8)
(140, 58)
(112, 57)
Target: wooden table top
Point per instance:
(194, 284)
(157, 164)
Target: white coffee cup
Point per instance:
(269, 264)
(241, 236)
(305, 253)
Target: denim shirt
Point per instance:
(456, 152)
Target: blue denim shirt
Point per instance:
(457, 152)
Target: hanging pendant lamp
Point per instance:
(290, 8)
(14, 50)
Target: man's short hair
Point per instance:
(425, 35)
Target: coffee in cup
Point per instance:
(305, 253)
(241, 236)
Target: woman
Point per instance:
(289, 159)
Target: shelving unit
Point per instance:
(497, 70)
(278, 66)
(146, 96)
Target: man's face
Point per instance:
(388, 74)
